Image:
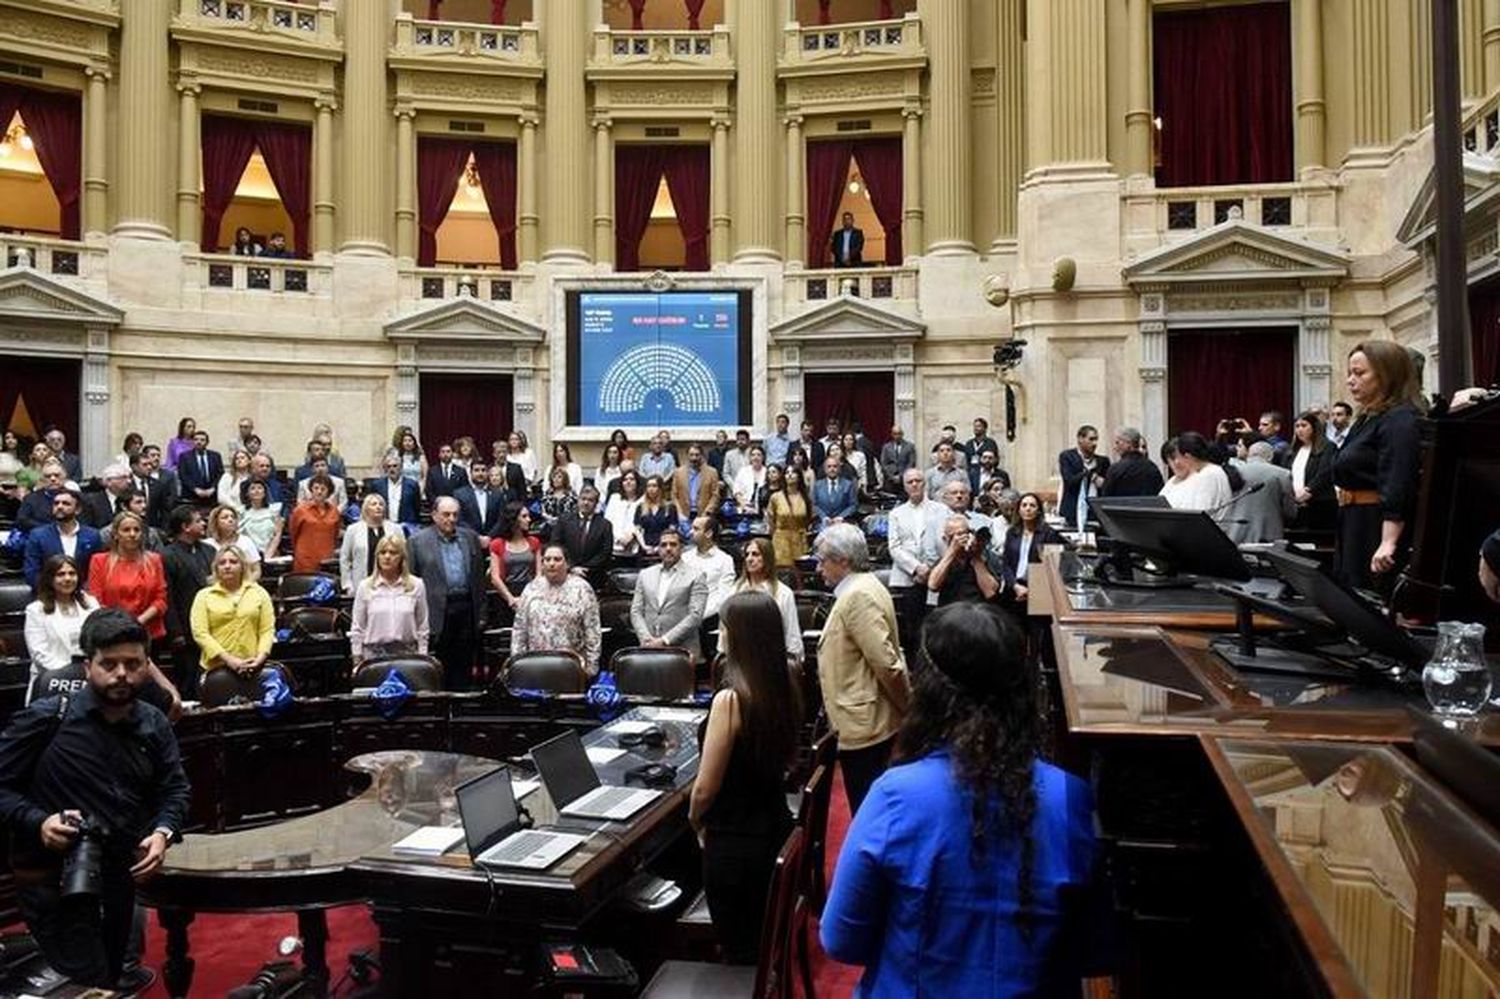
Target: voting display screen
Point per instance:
(658, 359)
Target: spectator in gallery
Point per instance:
(57, 441)
(55, 618)
(1082, 469)
(244, 244)
(389, 616)
(64, 534)
(667, 605)
(1132, 473)
(848, 243)
(657, 460)
(558, 610)
(199, 471)
(655, 513)
(620, 510)
(402, 495)
(515, 554)
(520, 453)
(985, 469)
(261, 520)
(945, 470)
(788, 514)
(980, 442)
(182, 443)
(452, 562)
(798, 467)
(314, 526)
(445, 477)
(340, 494)
(750, 480)
(10, 458)
(559, 499)
(562, 457)
(833, 496)
(609, 467)
(695, 486)
(479, 505)
(28, 475)
(235, 476)
(413, 458)
(276, 247)
(357, 550)
(896, 456)
(777, 443)
(233, 619)
(129, 577)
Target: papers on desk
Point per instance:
(430, 841)
(677, 714)
(524, 787)
(603, 754)
(629, 727)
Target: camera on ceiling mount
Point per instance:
(1008, 354)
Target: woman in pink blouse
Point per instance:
(390, 606)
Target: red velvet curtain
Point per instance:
(440, 166)
(497, 11)
(55, 123)
(1484, 331)
(694, 9)
(1224, 94)
(455, 405)
(638, 171)
(227, 146)
(495, 162)
(1213, 375)
(687, 172)
(49, 388)
(880, 165)
(287, 150)
(824, 15)
(887, 10)
(637, 9)
(866, 396)
(434, 11)
(827, 170)
(10, 103)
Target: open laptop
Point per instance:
(492, 827)
(574, 786)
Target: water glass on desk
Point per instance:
(1457, 678)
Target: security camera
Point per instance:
(1008, 354)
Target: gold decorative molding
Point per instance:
(256, 65)
(44, 28)
(659, 94)
(851, 87)
(465, 87)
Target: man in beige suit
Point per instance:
(695, 486)
(860, 666)
(667, 607)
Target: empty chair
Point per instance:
(15, 594)
(222, 685)
(554, 672)
(418, 672)
(663, 673)
(295, 586)
(310, 622)
(623, 580)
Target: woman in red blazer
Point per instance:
(130, 577)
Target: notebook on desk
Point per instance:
(574, 785)
(492, 827)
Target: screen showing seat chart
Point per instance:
(658, 359)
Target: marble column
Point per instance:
(604, 192)
(93, 425)
(1010, 108)
(1371, 81)
(796, 193)
(1491, 40)
(365, 143)
(756, 132)
(322, 234)
(949, 217)
(145, 164)
(527, 222)
(718, 225)
(911, 181)
(95, 158)
(1138, 114)
(1311, 109)
(189, 151)
(406, 183)
(566, 39)
(1068, 110)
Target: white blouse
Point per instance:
(1206, 489)
(575, 475)
(229, 490)
(52, 639)
(620, 512)
(791, 627)
(1299, 469)
(747, 483)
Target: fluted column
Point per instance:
(911, 182)
(718, 185)
(1010, 107)
(1372, 73)
(796, 193)
(406, 182)
(366, 144)
(189, 151)
(1138, 132)
(1311, 110)
(604, 192)
(323, 174)
(566, 37)
(144, 195)
(1068, 113)
(1491, 38)
(95, 158)
(526, 217)
(757, 42)
(950, 208)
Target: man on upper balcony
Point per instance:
(276, 247)
(849, 244)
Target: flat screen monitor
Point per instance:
(1360, 619)
(1123, 502)
(1185, 541)
(658, 359)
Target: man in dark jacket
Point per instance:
(1132, 473)
(188, 563)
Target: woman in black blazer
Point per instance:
(1024, 542)
(1310, 459)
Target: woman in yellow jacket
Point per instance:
(234, 621)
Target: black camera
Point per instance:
(83, 865)
(981, 538)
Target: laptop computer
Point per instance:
(492, 827)
(574, 786)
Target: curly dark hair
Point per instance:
(972, 694)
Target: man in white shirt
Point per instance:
(911, 561)
(340, 493)
(736, 457)
(667, 607)
(1340, 416)
(712, 563)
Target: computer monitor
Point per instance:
(487, 806)
(1153, 502)
(1181, 541)
(565, 768)
(1361, 620)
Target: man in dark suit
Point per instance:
(400, 494)
(36, 508)
(199, 471)
(810, 445)
(1132, 473)
(1082, 470)
(443, 476)
(479, 505)
(158, 497)
(848, 244)
(165, 477)
(187, 561)
(450, 560)
(986, 469)
(833, 495)
(99, 508)
(65, 535)
(58, 442)
(981, 441)
(896, 456)
(264, 471)
(585, 535)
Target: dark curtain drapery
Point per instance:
(55, 123)
(1224, 94)
(287, 150)
(825, 15)
(827, 169)
(10, 103)
(694, 10)
(887, 10)
(434, 10)
(638, 171)
(880, 165)
(637, 10)
(495, 162)
(1484, 331)
(866, 396)
(1214, 375)
(687, 173)
(497, 11)
(227, 146)
(440, 166)
(455, 405)
(49, 389)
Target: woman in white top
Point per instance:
(413, 460)
(1197, 483)
(55, 617)
(760, 574)
(858, 459)
(749, 480)
(224, 530)
(361, 539)
(562, 457)
(464, 451)
(261, 520)
(620, 512)
(520, 454)
(609, 468)
(235, 476)
(390, 606)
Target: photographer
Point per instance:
(93, 780)
(963, 573)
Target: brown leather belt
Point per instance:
(1358, 497)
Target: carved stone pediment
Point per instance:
(1238, 251)
(464, 321)
(848, 318)
(30, 295)
(1481, 188)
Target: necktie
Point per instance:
(203, 466)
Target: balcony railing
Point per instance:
(502, 43)
(818, 43)
(893, 283)
(1481, 127)
(62, 258)
(439, 283)
(1154, 216)
(304, 21)
(633, 48)
(269, 275)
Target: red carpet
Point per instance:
(229, 949)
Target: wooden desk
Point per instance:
(1078, 602)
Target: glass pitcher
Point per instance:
(1457, 677)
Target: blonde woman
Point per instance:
(233, 479)
(759, 574)
(390, 606)
(357, 553)
(224, 532)
(233, 619)
(130, 577)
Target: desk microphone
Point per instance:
(1236, 498)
